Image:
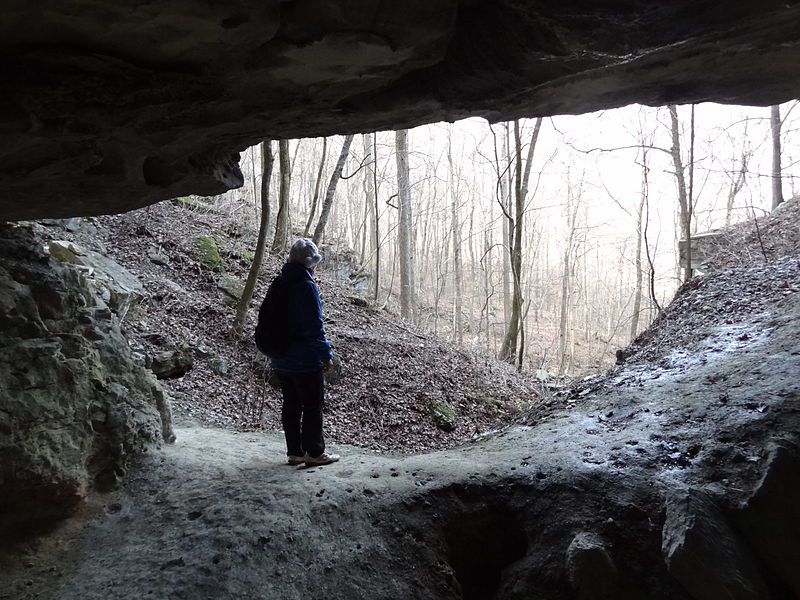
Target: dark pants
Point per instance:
(303, 396)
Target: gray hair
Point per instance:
(304, 252)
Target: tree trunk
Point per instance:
(313, 210)
(458, 323)
(505, 198)
(330, 193)
(738, 182)
(252, 277)
(473, 275)
(562, 322)
(369, 201)
(283, 220)
(684, 201)
(376, 212)
(637, 293)
(487, 291)
(405, 235)
(253, 177)
(563, 333)
(508, 350)
(777, 182)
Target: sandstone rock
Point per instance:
(590, 569)
(218, 365)
(345, 267)
(443, 414)
(117, 286)
(770, 518)
(170, 364)
(72, 225)
(158, 257)
(112, 121)
(334, 374)
(358, 301)
(74, 405)
(201, 350)
(704, 554)
(231, 288)
(208, 252)
(166, 287)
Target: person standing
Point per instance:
(301, 368)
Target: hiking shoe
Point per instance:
(293, 459)
(322, 459)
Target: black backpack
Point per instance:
(272, 331)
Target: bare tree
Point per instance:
(371, 216)
(684, 196)
(373, 170)
(405, 234)
(777, 182)
(330, 192)
(315, 198)
(458, 316)
(283, 221)
(267, 161)
(573, 204)
(253, 176)
(740, 178)
(637, 292)
(508, 349)
(508, 235)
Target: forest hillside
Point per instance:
(393, 387)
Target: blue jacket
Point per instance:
(309, 349)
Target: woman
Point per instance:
(300, 369)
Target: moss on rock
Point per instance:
(443, 414)
(208, 252)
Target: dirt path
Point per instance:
(219, 515)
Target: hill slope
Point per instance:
(391, 376)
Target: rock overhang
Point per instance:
(109, 107)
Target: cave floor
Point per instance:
(220, 515)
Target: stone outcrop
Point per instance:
(169, 364)
(704, 553)
(116, 286)
(107, 110)
(74, 405)
(590, 568)
(232, 288)
(770, 518)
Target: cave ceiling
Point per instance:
(110, 106)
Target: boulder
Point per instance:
(443, 414)
(119, 288)
(208, 252)
(590, 569)
(74, 404)
(218, 365)
(72, 225)
(705, 554)
(344, 266)
(162, 288)
(171, 364)
(232, 289)
(358, 301)
(334, 374)
(770, 518)
(158, 257)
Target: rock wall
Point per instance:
(74, 405)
